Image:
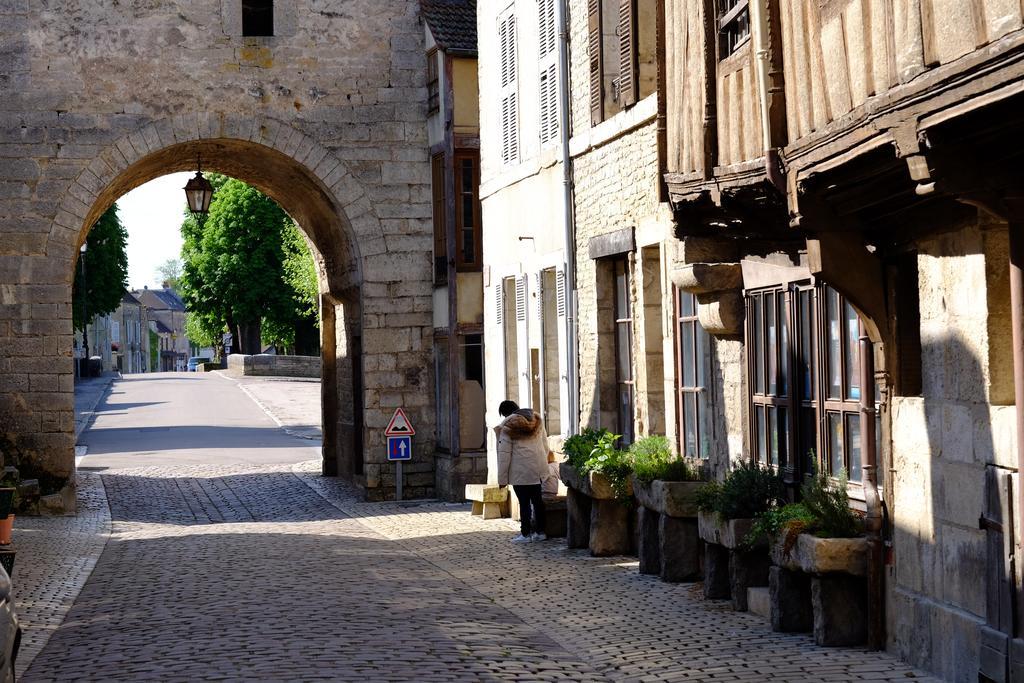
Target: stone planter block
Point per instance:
(577, 519)
(840, 605)
(672, 498)
(716, 572)
(679, 547)
(815, 555)
(609, 528)
(489, 500)
(594, 485)
(727, 532)
(790, 599)
(648, 542)
(746, 569)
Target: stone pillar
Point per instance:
(746, 569)
(840, 604)
(648, 541)
(679, 549)
(716, 572)
(577, 519)
(609, 528)
(790, 595)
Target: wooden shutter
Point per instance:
(594, 52)
(548, 71)
(523, 339)
(627, 52)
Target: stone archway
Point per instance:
(358, 278)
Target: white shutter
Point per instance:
(538, 290)
(562, 307)
(523, 339)
(507, 44)
(499, 302)
(548, 76)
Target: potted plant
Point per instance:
(726, 511)
(666, 488)
(820, 558)
(599, 492)
(9, 501)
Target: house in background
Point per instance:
(130, 337)
(453, 138)
(165, 307)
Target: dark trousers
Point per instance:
(529, 496)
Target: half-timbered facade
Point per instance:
(845, 180)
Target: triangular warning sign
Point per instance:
(399, 425)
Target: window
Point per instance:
(804, 373)
(552, 290)
(440, 227)
(433, 83)
(507, 319)
(622, 54)
(469, 254)
(257, 17)
(733, 26)
(508, 80)
(548, 71)
(691, 350)
(623, 349)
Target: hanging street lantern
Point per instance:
(199, 192)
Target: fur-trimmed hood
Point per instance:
(522, 424)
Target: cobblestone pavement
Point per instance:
(55, 557)
(275, 573)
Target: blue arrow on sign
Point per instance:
(399, 448)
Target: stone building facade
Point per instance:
(324, 111)
(844, 184)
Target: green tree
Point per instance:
(169, 273)
(234, 263)
(102, 273)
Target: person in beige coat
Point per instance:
(523, 463)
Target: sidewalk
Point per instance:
(292, 402)
(88, 394)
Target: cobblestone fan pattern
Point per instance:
(55, 557)
(629, 626)
(215, 573)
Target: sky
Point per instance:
(152, 213)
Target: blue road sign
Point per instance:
(399, 448)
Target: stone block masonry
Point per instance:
(90, 111)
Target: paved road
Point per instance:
(177, 418)
(230, 570)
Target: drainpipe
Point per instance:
(572, 366)
(760, 36)
(873, 503)
(1016, 321)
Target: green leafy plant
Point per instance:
(652, 459)
(748, 490)
(615, 464)
(829, 503)
(577, 448)
(706, 497)
(824, 512)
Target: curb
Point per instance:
(89, 414)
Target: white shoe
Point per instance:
(538, 537)
(522, 539)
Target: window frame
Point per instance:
(461, 264)
(439, 199)
(699, 388)
(258, 30)
(813, 347)
(727, 22)
(433, 82)
(624, 376)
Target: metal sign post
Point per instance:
(399, 433)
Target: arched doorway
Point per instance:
(358, 276)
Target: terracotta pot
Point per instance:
(6, 527)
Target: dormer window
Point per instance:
(257, 17)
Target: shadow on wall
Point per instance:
(951, 458)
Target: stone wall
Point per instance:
(327, 117)
(274, 366)
(945, 443)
